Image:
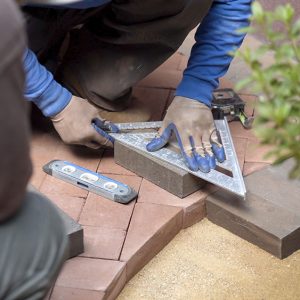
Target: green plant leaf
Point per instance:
(257, 11)
(296, 29)
(278, 119)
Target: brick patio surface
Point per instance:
(121, 239)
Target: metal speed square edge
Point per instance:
(227, 175)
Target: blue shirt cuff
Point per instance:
(194, 88)
(58, 98)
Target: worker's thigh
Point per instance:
(48, 28)
(125, 42)
(33, 246)
(15, 165)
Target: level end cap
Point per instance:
(124, 199)
(47, 167)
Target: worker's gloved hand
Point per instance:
(193, 124)
(75, 125)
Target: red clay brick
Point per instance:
(251, 167)
(172, 63)
(90, 274)
(154, 100)
(237, 130)
(162, 79)
(101, 212)
(64, 293)
(38, 176)
(72, 206)
(108, 165)
(240, 146)
(151, 228)
(102, 242)
(46, 148)
(80, 155)
(116, 287)
(193, 205)
(55, 186)
(43, 147)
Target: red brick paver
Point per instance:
(101, 242)
(240, 145)
(168, 79)
(102, 212)
(151, 228)
(97, 275)
(193, 205)
(69, 204)
(154, 99)
(108, 166)
(120, 239)
(65, 293)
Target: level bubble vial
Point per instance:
(89, 177)
(68, 169)
(110, 185)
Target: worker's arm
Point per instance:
(215, 38)
(71, 116)
(41, 88)
(210, 59)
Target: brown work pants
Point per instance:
(115, 46)
(33, 240)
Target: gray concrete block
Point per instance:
(173, 179)
(74, 229)
(75, 234)
(273, 184)
(270, 215)
(256, 220)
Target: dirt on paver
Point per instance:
(208, 262)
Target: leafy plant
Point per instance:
(278, 120)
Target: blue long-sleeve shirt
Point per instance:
(42, 89)
(215, 37)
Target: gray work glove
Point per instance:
(74, 124)
(192, 123)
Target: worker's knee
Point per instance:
(33, 248)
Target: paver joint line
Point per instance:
(250, 159)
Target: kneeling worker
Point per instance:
(98, 49)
